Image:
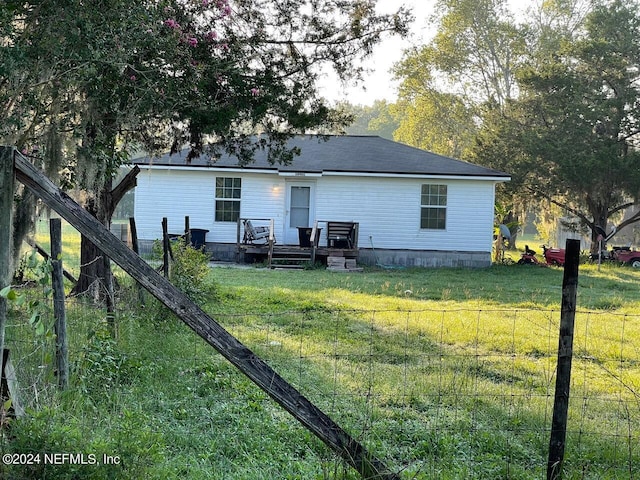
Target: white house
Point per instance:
(412, 207)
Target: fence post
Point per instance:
(165, 247)
(187, 231)
(59, 313)
(565, 354)
(7, 178)
(133, 231)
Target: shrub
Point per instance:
(189, 272)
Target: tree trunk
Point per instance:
(94, 279)
(600, 219)
(91, 264)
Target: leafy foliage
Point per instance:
(155, 74)
(573, 127)
(190, 271)
(102, 365)
(445, 84)
(376, 119)
(50, 431)
(39, 309)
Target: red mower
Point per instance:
(627, 256)
(552, 256)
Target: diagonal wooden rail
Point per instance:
(213, 333)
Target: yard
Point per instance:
(443, 373)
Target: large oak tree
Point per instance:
(571, 135)
(87, 81)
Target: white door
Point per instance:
(300, 207)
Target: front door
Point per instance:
(300, 206)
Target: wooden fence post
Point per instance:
(59, 313)
(565, 355)
(165, 247)
(109, 295)
(6, 230)
(187, 231)
(133, 231)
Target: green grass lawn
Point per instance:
(443, 373)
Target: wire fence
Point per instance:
(451, 393)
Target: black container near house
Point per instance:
(304, 236)
(198, 236)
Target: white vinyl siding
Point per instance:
(388, 210)
(175, 193)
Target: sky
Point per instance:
(378, 83)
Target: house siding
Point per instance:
(175, 193)
(387, 209)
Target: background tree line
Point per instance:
(551, 97)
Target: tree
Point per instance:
(376, 119)
(575, 122)
(447, 84)
(435, 121)
(553, 23)
(107, 76)
(476, 48)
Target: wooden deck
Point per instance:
(320, 251)
(292, 256)
(342, 241)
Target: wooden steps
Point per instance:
(286, 257)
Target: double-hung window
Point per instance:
(228, 190)
(433, 207)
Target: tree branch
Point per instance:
(126, 184)
(633, 219)
(620, 208)
(564, 206)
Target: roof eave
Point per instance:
(445, 176)
(317, 173)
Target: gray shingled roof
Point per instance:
(346, 154)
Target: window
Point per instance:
(433, 212)
(228, 199)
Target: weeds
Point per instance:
(451, 381)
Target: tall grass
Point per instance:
(443, 373)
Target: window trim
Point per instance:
(231, 196)
(433, 202)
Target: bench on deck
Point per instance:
(342, 234)
(255, 234)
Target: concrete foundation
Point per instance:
(423, 258)
(226, 252)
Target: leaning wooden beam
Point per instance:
(213, 333)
